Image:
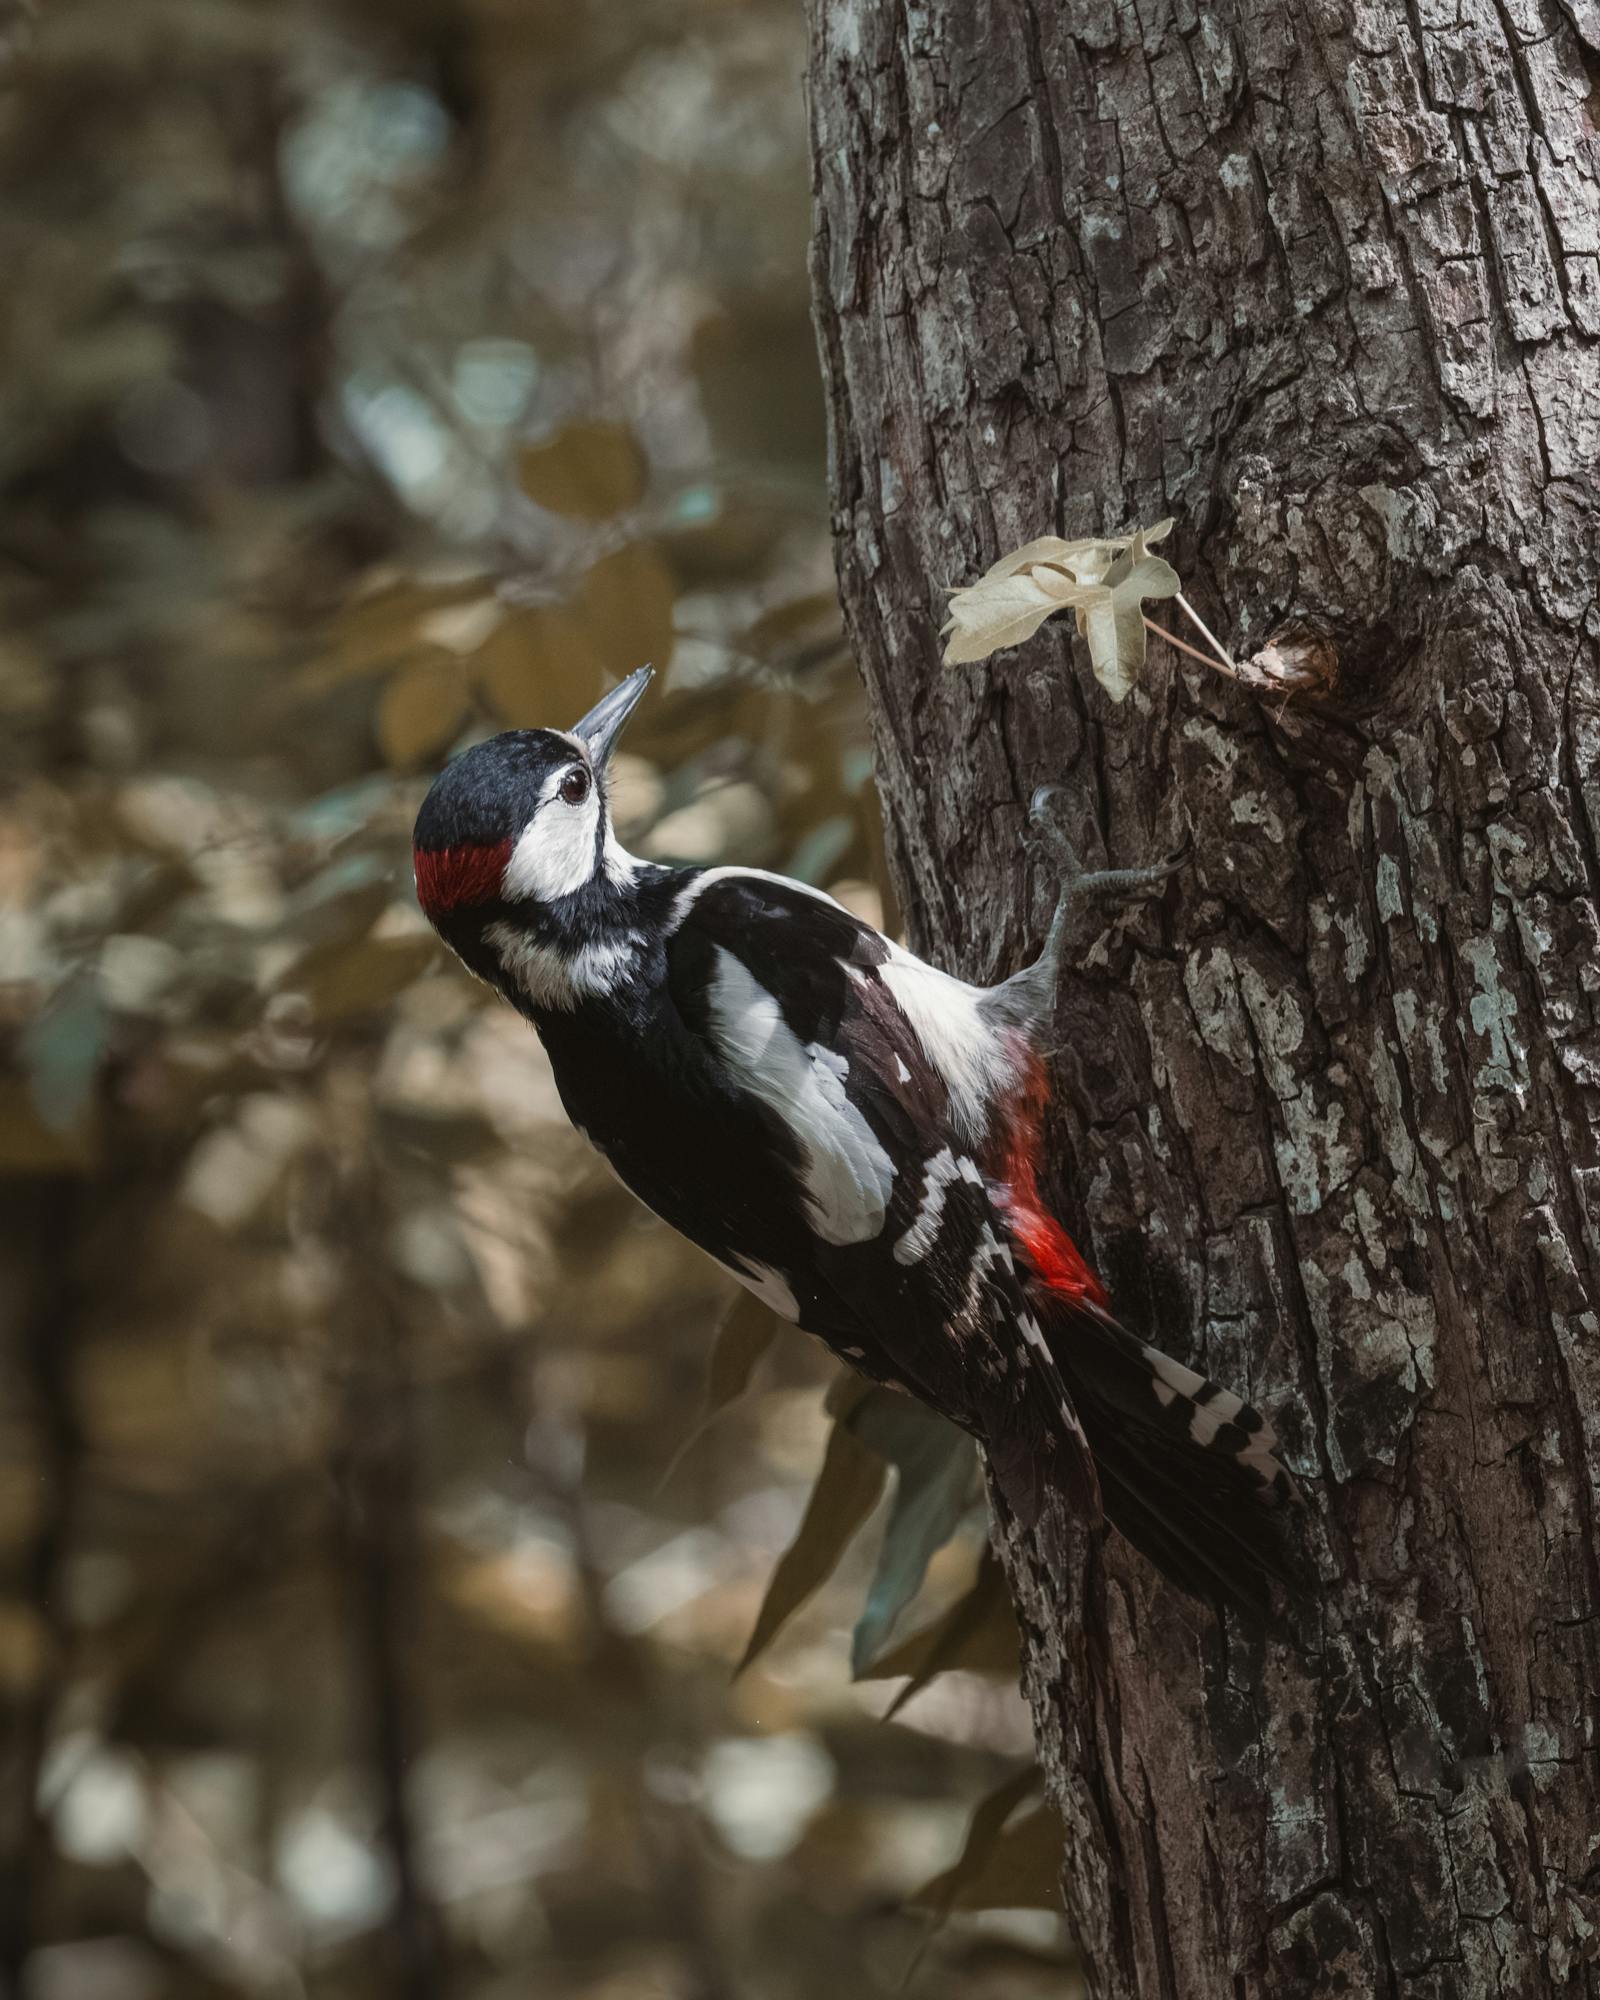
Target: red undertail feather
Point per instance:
(1053, 1257)
(1186, 1470)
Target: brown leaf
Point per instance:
(355, 978)
(384, 628)
(589, 470)
(539, 669)
(846, 1492)
(743, 1340)
(29, 1146)
(625, 601)
(420, 712)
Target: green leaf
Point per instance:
(978, 1633)
(847, 1490)
(420, 711)
(1002, 1866)
(937, 1472)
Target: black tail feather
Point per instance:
(1188, 1471)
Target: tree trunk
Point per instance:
(1325, 284)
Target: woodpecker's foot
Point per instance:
(1080, 891)
(1109, 884)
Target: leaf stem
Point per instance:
(1205, 631)
(1183, 646)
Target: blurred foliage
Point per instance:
(377, 1553)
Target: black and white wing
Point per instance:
(869, 1074)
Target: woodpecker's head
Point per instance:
(519, 825)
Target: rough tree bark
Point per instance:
(1325, 283)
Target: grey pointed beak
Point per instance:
(605, 722)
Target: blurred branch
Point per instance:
(375, 1525)
(45, 1223)
(670, 1834)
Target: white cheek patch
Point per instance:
(845, 1174)
(556, 853)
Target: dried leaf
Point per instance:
(1114, 623)
(421, 709)
(590, 470)
(1004, 611)
(846, 1492)
(936, 1469)
(1102, 578)
(1070, 555)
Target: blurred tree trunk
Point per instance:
(1326, 287)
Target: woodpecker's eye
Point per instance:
(575, 786)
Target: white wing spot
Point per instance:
(846, 1175)
(1031, 1333)
(770, 1286)
(941, 1171)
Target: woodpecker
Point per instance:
(852, 1134)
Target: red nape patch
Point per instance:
(455, 877)
(1055, 1258)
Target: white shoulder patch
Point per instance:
(972, 1054)
(846, 1176)
(560, 979)
(709, 877)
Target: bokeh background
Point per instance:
(377, 1549)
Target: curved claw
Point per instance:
(1043, 800)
